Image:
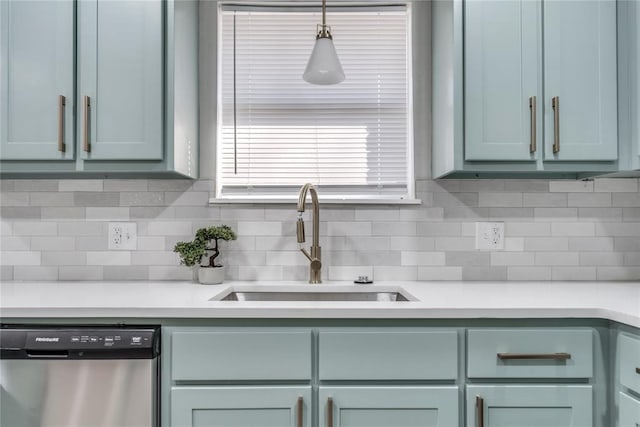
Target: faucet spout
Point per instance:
(314, 255)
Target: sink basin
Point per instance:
(317, 295)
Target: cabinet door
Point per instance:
(120, 71)
(580, 70)
(36, 69)
(502, 75)
(241, 406)
(388, 406)
(531, 405)
(629, 414)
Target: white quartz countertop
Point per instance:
(617, 301)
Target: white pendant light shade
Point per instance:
(324, 67)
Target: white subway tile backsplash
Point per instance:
(80, 273)
(109, 258)
(557, 258)
(571, 186)
(80, 185)
(554, 230)
(616, 185)
(14, 199)
(259, 228)
(35, 228)
(64, 258)
(502, 199)
(107, 214)
(546, 244)
(81, 228)
(415, 258)
(63, 214)
(618, 273)
(528, 273)
(573, 273)
(573, 229)
(439, 273)
(394, 273)
(589, 199)
(57, 243)
(36, 273)
(20, 258)
(512, 258)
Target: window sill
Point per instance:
(323, 201)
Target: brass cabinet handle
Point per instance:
(329, 412)
(479, 411)
(555, 103)
(300, 405)
(538, 356)
(86, 105)
(533, 145)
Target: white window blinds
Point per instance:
(277, 132)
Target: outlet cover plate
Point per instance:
(490, 235)
(123, 236)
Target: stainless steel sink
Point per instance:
(306, 295)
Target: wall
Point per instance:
(555, 230)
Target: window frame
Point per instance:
(409, 198)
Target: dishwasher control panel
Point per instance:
(79, 342)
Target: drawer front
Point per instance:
(629, 362)
(530, 353)
(388, 355)
(629, 415)
(241, 355)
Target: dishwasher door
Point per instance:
(76, 385)
(77, 393)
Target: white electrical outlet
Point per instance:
(489, 235)
(122, 235)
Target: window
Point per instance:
(276, 131)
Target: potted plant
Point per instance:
(206, 243)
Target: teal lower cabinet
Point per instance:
(629, 410)
(529, 405)
(388, 406)
(627, 377)
(268, 406)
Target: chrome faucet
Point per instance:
(314, 255)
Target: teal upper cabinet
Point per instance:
(629, 83)
(502, 79)
(524, 88)
(36, 69)
(580, 80)
(110, 85)
(120, 79)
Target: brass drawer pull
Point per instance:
(86, 105)
(329, 412)
(555, 103)
(534, 356)
(300, 405)
(533, 145)
(62, 101)
(479, 411)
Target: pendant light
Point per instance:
(324, 66)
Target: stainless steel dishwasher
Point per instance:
(93, 376)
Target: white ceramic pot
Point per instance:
(211, 275)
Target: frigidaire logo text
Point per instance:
(47, 339)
